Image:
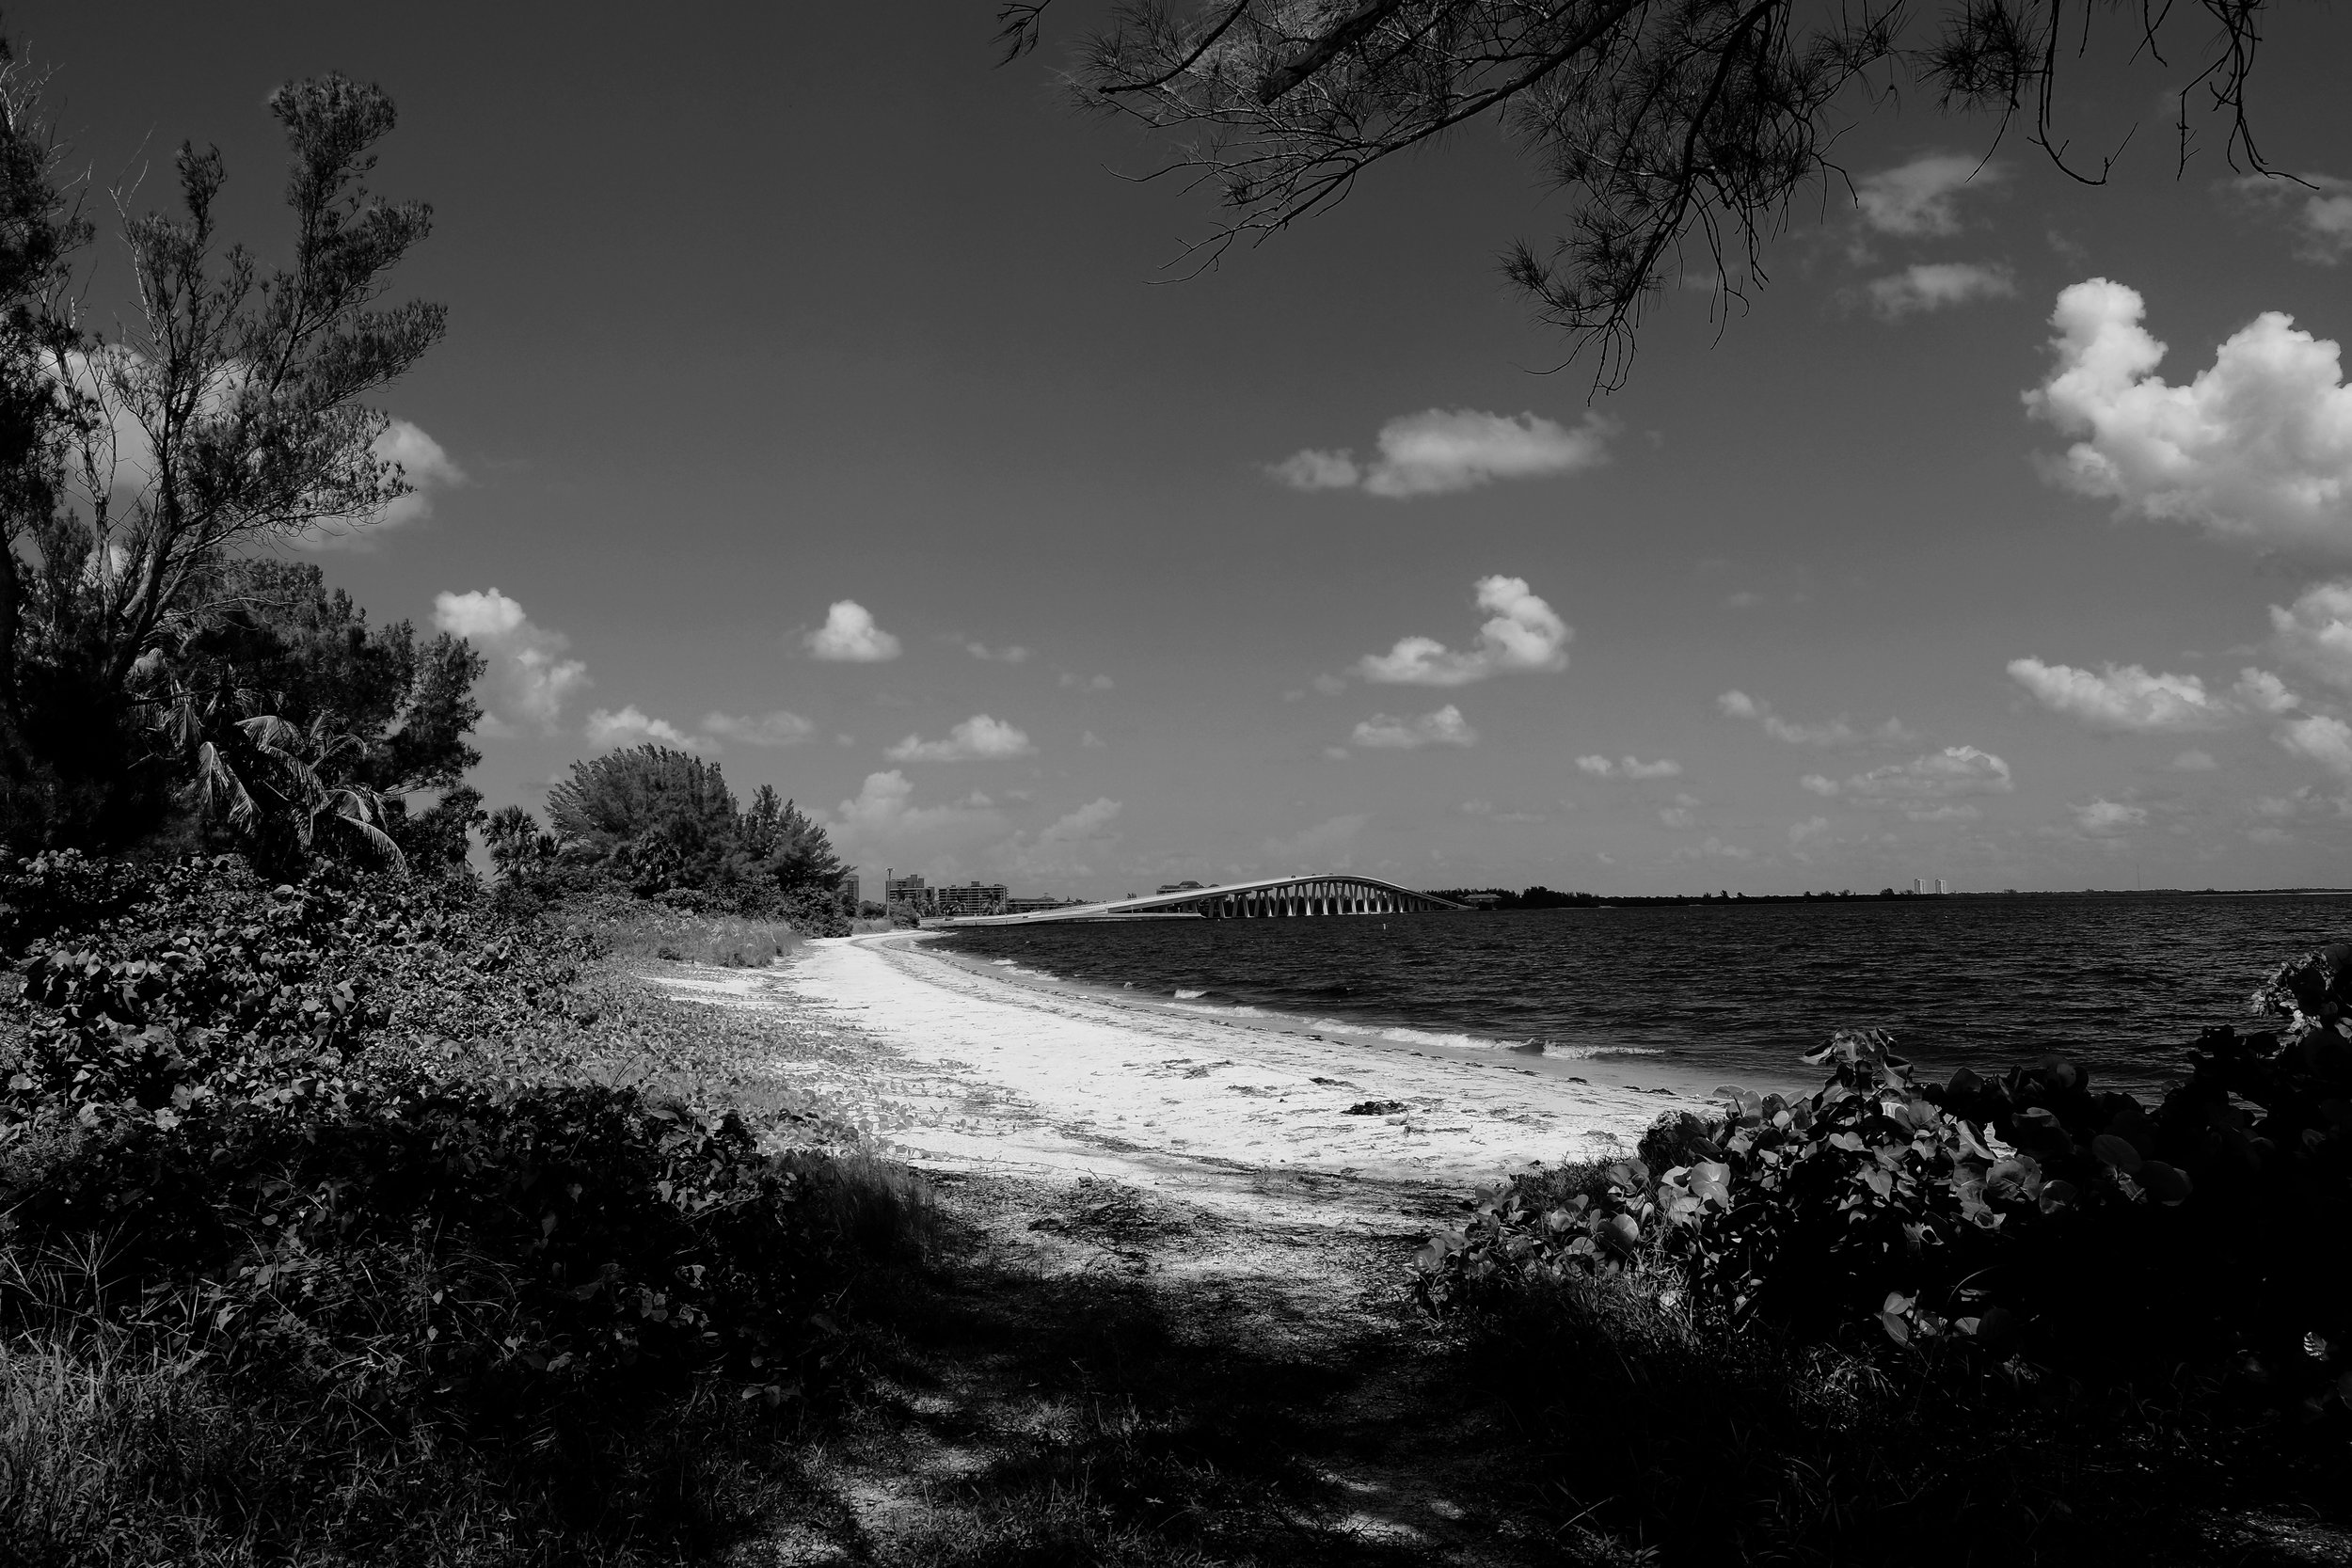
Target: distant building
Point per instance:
(1941, 886)
(1481, 900)
(1031, 906)
(1918, 884)
(1178, 887)
(972, 898)
(909, 890)
(848, 888)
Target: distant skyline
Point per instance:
(813, 399)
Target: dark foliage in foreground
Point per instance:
(322, 1159)
(2087, 1291)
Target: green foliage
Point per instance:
(665, 825)
(2087, 1232)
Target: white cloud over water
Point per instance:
(1445, 727)
(529, 679)
(1438, 452)
(1524, 634)
(978, 738)
(2256, 448)
(1914, 786)
(850, 636)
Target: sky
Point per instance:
(819, 396)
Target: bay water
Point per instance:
(1738, 990)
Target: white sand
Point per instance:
(981, 1071)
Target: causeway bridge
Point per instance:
(1271, 898)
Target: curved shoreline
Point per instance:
(956, 1066)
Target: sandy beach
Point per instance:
(968, 1067)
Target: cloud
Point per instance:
(608, 731)
(2102, 818)
(1524, 634)
(1077, 827)
(2257, 448)
(1628, 768)
(2321, 739)
(1678, 815)
(1736, 703)
(1808, 830)
(979, 738)
(423, 465)
(2127, 697)
(850, 636)
(770, 728)
(2316, 634)
(1326, 845)
(1085, 683)
(1445, 727)
(1919, 200)
(1938, 286)
(1713, 848)
(2193, 762)
(2320, 209)
(883, 817)
(1015, 655)
(1954, 772)
(1436, 453)
(529, 680)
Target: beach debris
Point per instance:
(1376, 1108)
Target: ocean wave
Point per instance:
(1189, 995)
(1464, 1041)
(1220, 1013)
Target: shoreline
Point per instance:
(951, 1065)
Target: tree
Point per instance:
(788, 849)
(141, 472)
(659, 821)
(1667, 122)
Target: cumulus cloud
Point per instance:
(1948, 774)
(2319, 206)
(2315, 633)
(979, 738)
(1445, 727)
(1808, 830)
(2321, 739)
(1088, 822)
(1085, 683)
(1920, 199)
(1328, 846)
(1678, 815)
(883, 817)
(529, 680)
(2102, 817)
(608, 731)
(1438, 452)
(1013, 655)
(769, 729)
(2256, 448)
(850, 636)
(1524, 634)
(1630, 767)
(2126, 697)
(1938, 286)
(423, 463)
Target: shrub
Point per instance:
(2086, 1231)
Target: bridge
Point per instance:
(1273, 898)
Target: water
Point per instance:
(2121, 985)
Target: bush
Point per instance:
(2085, 1231)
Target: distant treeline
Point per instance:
(1546, 899)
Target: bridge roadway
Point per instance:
(1273, 898)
